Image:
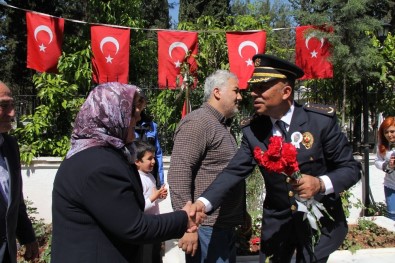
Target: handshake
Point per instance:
(196, 215)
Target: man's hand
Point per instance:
(31, 251)
(189, 243)
(307, 186)
(195, 218)
(198, 211)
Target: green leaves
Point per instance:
(46, 132)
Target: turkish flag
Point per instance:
(312, 53)
(110, 48)
(242, 46)
(173, 46)
(186, 108)
(44, 41)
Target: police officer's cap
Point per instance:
(268, 68)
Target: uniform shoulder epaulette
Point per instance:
(246, 121)
(320, 108)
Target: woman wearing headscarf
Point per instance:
(97, 199)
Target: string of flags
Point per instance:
(110, 48)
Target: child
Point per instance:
(145, 161)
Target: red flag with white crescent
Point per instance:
(173, 46)
(110, 48)
(44, 41)
(242, 46)
(312, 53)
(186, 108)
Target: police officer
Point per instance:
(325, 161)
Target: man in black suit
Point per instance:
(325, 161)
(14, 221)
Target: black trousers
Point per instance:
(151, 253)
(6, 255)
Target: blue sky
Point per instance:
(174, 12)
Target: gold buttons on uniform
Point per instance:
(293, 207)
(288, 179)
(290, 193)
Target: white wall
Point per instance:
(38, 182)
(39, 176)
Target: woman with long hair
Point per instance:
(385, 160)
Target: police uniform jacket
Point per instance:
(329, 154)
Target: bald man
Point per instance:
(14, 221)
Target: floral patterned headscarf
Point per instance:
(104, 118)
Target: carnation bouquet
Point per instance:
(280, 158)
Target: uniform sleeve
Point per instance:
(343, 169)
(188, 151)
(238, 169)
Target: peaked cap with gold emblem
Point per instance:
(268, 67)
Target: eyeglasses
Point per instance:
(7, 105)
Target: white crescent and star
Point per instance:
(245, 44)
(176, 45)
(109, 40)
(42, 47)
(314, 52)
(45, 29)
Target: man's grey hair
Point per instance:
(218, 79)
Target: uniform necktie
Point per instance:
(283, 128)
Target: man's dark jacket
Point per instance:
(14, 221)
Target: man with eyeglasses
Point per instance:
(324, 157)
(14, 221)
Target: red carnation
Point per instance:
(280, 157)
(258, 153)
(289, 154)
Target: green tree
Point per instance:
(46, 132)
(385, 88)
(278, 15)
(13, 48)
(191, 10)
(240, 7)
(156, 14)
(355, 58)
